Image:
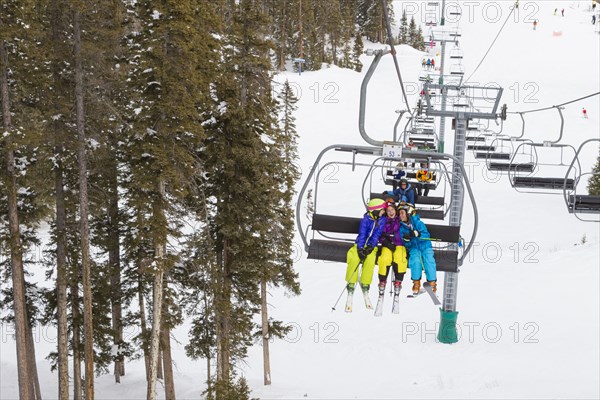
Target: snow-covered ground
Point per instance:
(528, 297)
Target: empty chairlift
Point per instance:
(456, 54)
(545, 184)
(521, 161)
(499, 149)
(457, 69)
(577, 203)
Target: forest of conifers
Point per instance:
(146, 149)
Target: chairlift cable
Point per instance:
(551, 107)
(492, 45)
(393, 51)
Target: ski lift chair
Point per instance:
(503, 149)
(521, 162)
(578, 204)
(456, 53)
(542, 185)
(457, 69)
(428, 76)
(461, 103)
(431, 207)
(333, 250)
(545, 185)
(474, 136)
(448, 251)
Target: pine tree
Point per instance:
(347, 34)
(175, 55)
(403, 36)
(594, 181)
(334, 27)
(374, 26)
(16, 56)
(312, 41)
(283, 12)
(419, 42)
(411, 36)
(357, 51)
(277, 269)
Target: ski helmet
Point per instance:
(409, 208)
(376, 204)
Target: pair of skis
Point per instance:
(350, 297)
(369, 305)
(395, 303)
(427, 288)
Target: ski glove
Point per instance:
(387, 243)
(364, 252)
(406, 236)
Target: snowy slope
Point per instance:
(529, 297)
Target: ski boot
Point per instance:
(365, 288)
(433, 285)
(381, 287)
(350, 287)
(416, 287)
(397, 287)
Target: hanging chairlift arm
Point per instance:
(363, 98)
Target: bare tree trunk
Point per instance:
(167, 359)
(61, 285)
(282, 45)
(35, 381)
(61, 281)
(157, 300)
(224, 320)
(159, 365)
(114, 257)
(265, 332)
(154, 339)
(300, 30)
(61, 238)
(83, 214)
(143, 325)
(218, 312)
(208, 377)
(25, 375)
(76, 338)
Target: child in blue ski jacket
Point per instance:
(420, 251)
(405, 192)
(371, 227)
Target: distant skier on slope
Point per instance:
(420, 251)
(535, 23)
(584, 111)
(563, 12)
(593, 20)
(363, 251)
